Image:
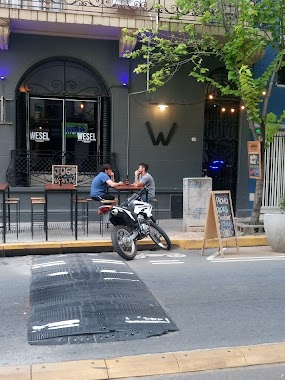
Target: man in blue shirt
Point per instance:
(99, 184)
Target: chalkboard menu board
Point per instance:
(254, 159)
(64, 174)
(224, 215)
(220, 219)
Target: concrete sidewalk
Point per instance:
(61, 239)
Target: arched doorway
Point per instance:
(221, 135)
(63, 116)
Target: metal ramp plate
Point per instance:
(88, 298)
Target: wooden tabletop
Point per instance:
(57, 187)
(4, 186)
(127, 187)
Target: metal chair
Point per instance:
(37, 212)
(104, 212)
(83, 213)
(154, 202)
(16, 202)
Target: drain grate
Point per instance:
(90, 299)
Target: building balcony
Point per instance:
(101, 19)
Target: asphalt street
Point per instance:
(214, 302)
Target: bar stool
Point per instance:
(154, 202)
(83, 213)
(37, 212)
(16, 202)
(104, 212)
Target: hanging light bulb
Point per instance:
(223, 109)
(242, 107)
(232, 110)
(162, 106)
(82, 105)
(263, 93)
(211, 96)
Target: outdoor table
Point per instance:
(52, 188)
(3, 188)
(126, 189)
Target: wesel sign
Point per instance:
(85, 137)
(64, 174)
(254, 159)
(220, 219)
(39, 136)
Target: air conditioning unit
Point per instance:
(127, 3)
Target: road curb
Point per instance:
(103, 245)
(150, 364)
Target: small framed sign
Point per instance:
(64, 174)
(254, 159)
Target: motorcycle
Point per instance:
(133, 221)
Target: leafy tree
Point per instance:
(246, 29)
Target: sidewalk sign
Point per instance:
(220, 219)
(64, 174)
(254, 159)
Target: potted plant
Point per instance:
(274, 226)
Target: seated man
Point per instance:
(144, 179)
(100, 182)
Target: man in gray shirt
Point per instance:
(144, 179)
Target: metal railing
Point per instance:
(28, 168)
(162, 10)
(274, 172)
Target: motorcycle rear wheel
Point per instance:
(125, 247)
(159, 237)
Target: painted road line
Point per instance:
(213, 256)
(152, 255)
(165, 262)
(245, 259)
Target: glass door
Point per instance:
(80, 126)
(62, 130)
(45, 132)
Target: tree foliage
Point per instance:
(244, 29)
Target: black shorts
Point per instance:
(105, 196)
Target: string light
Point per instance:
(82, 105)
(263, 93)
(210, 96)
(242, 107)
(232, 110)
(223, 109)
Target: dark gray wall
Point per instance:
(182, 157)
(28, 50)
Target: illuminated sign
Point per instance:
(72, 128)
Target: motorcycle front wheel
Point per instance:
(122, 243)
(159, 237)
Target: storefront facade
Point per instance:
(74, 100)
